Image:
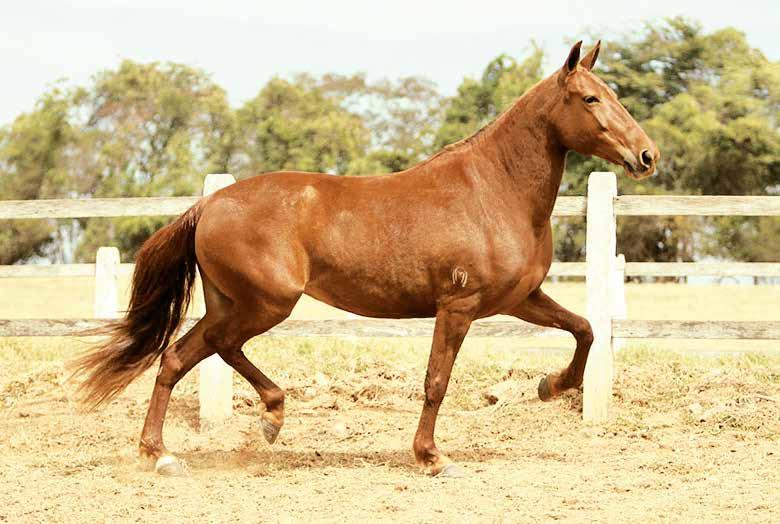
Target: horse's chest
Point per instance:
(517, 268)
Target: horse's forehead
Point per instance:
(585, 80)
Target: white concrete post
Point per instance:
(107, 283)
(618, 297)
(215, 392)
(600, 260)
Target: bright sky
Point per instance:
(244, 43)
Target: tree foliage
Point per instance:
(33, 157)
(480, 101)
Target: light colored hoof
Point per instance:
(270, 430)
(169, 466)
(451, 471)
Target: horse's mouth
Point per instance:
(635, 173)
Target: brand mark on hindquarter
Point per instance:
(460, 276)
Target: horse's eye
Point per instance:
(591, 99)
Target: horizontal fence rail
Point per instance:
(648, 205)
(96, 207)
(557, 269)
(162, 206)
(381, 328)
(58, 270)
(626, 205)
(701, 329)
(361, 327)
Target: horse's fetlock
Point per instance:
(274, 399)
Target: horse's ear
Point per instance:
(571, 62)
(589, 60)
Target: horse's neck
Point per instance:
(530, 159)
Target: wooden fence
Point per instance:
(603, 270)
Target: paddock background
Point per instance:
(690, 437)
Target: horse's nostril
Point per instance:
(646, 158)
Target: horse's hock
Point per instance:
(603, 270)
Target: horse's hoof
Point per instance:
(451, 471)
(544, 390)
(169, 466)
(270, 430)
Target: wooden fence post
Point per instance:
(215, 391)
(600, 260)
(618, 298)
(107, 283)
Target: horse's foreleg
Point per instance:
(540, 309)
(449, 332)
(176, 361)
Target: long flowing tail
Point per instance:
(162, 287)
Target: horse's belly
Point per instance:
(371, 298)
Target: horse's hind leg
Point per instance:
(176, 361)
(540, 309)
(271, 394)
(229, 339)
(223, 334)
(251, 311)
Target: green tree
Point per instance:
(146, 130)
(33, 150)
(294, 125)
(401, 115)
(478, 102)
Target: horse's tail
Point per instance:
(162, 287)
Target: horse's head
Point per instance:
(590, 120)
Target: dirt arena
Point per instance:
(691, 437)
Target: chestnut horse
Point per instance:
(463, 235)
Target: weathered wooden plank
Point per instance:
(57, 270)
(642, 205)
(627, 205)
(48, 327)
(48, 271)
(759, 330)
(717, 269)
(752, 330)
(88, 270)
(159, 206)
(96, 207)
(558, 269)
(573, 206)
(367, 327)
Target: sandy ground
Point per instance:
(690, 439)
